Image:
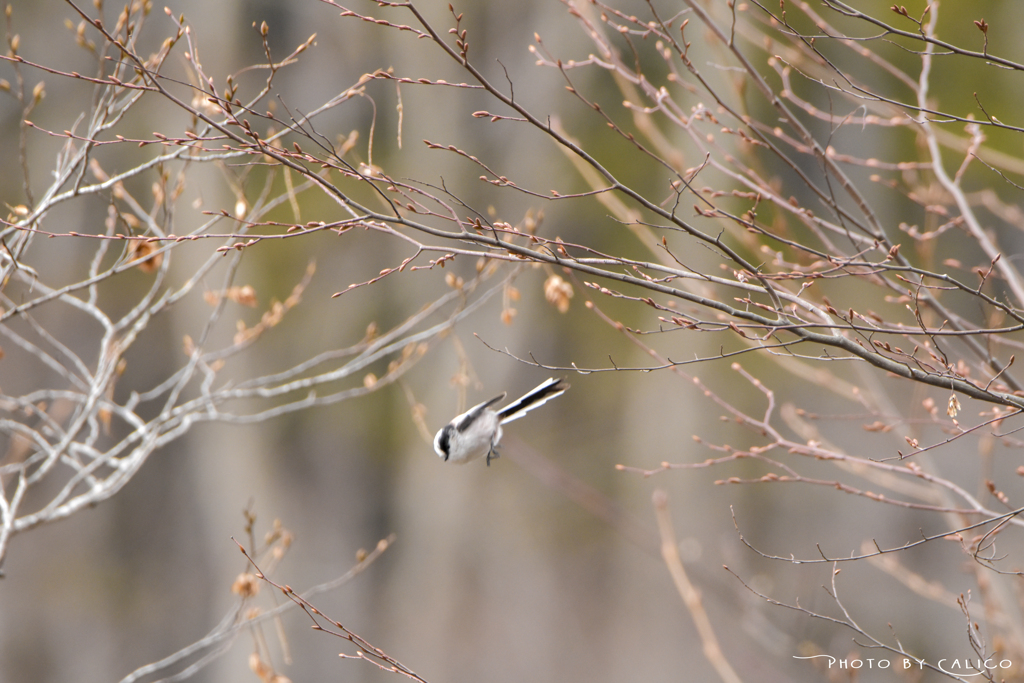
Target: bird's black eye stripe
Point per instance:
(442, 440)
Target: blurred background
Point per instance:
(544, 566)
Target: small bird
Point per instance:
(477, 431)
